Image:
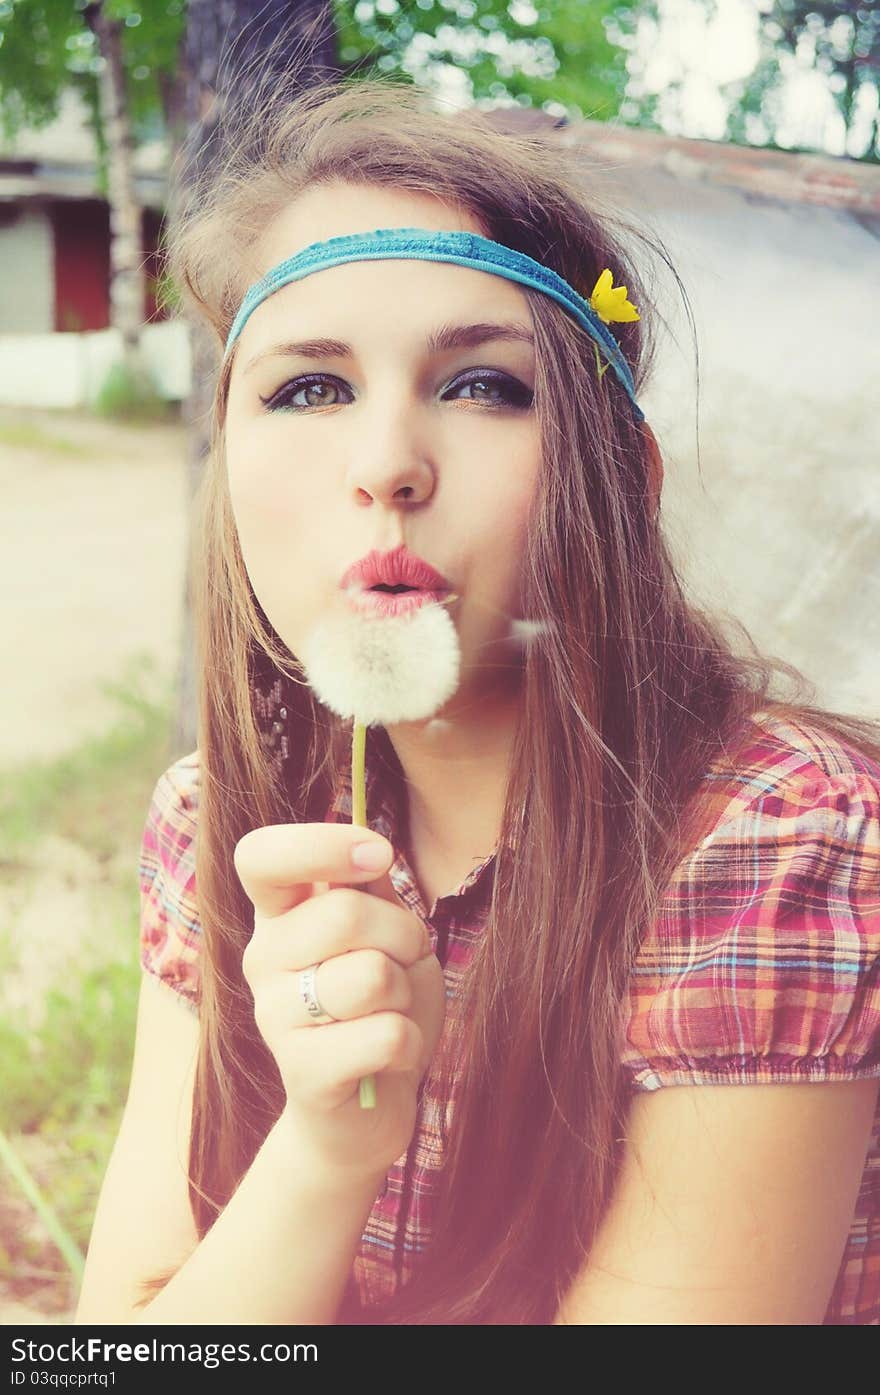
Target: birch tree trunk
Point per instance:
(126, 241)
(227, 43)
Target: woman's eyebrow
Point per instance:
(440, 340)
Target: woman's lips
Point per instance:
(386, 603)
(399, 566)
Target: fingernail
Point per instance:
(370, 857)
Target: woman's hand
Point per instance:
(377, 976)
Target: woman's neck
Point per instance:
(455, 781)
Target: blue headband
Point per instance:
(462, 248)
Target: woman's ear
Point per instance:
(655, 466)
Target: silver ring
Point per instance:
(309, 996)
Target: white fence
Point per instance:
(66, 370)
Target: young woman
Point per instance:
(613, 863)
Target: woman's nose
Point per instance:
(393, 462)
(407, 483)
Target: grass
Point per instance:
(64, 1084)
(127, 394)
(90, 794)
(33, 437)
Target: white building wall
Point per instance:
(67, 370)
(27, 274)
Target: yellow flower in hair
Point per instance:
(610, 302)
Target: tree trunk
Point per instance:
(126, 238)
(226, 41)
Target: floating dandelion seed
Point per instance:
(525, 632)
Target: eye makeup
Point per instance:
(509, 392)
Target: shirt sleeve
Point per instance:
(170, 934)
(764, 963)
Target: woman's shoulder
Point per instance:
(784, 756)
(176, 792)
(764, 961)
(781, 779)
(168, 844)
(169, 928)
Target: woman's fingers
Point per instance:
(361, 944)
(327, 1076)
(278, 864)
(339, 922)
(346, 986)
(375, 975)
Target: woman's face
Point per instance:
(333, 451)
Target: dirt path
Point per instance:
(91, 569)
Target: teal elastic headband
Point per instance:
(461, 248)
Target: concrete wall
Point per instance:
(778, 520)
(27, 301)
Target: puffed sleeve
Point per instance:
(764, 963)
(169, 928)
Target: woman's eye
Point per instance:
(495, 391)
(301, 394)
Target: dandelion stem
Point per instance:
(367, 1088)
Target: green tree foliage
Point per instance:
(46, 46)
(565, 52)
(841, 42)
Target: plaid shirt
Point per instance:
(763, 964)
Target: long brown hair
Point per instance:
(630, 691)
